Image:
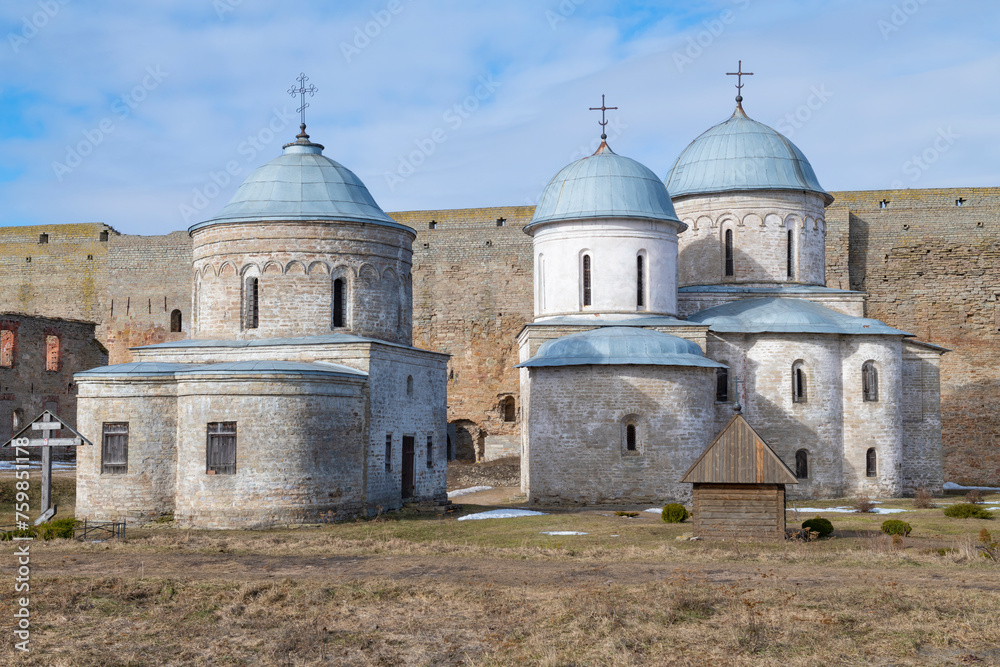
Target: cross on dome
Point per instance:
(302, 91)
(603, 122)
(739, 74)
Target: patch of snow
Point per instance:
(658, 510)
(500, 514)
(951, 486)
(562, 532)
(464, 492)
(6, 466)
(847, 510)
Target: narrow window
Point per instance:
(409, 385)
(388, 452)
(114, 448)
(501, 222)
(884, 203)
(640, 286)
(7, 348)
(338, 303)
(869, 381)
(630, 440)
(103, 236)
(432, 224)
(729, 252)
(509, 409)
(175, 321)
(43, 238)
(51, 352)
(221, 451)
(802, 464)
(871, 463)
(722, 384)
(586, 280)
(430, 452)
(790, 253)
(959, 201)
(251, 316)
(799, 393)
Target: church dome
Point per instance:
(619, 346)
(741, 154)
(301, 184)
(604, 185)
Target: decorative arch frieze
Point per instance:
(321, 267)
(272, 267)
(295, 267)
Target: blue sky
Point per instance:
(147, 115)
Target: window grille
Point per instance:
(338, 303)
(222, 448)
(586, 280)
(251, 295)
(730, 268)
(640, 292)
(790, 253)
(114, 448)
(869, 382)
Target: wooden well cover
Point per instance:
(738, 455)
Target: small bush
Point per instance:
(863, 504)
(967, 511)
(629, 515)
(989, 547)
(896, 527)
(674, 513)
(922, 499)
(59, 529)
(819, 525)
(974, 496)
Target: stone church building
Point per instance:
(661, 305)
(298, 396)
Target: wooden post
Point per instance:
(46, 479)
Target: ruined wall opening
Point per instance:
(175, 321)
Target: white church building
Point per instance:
(662, 304)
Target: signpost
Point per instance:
(47, 424)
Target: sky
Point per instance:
(147, 115)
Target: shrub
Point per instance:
(967, 511)
(974, 496)
(863, 504)
(989, 546)
(628, 515)
(819, 525)
(896, 527)
(58, 529)
(674, 513)
(922, 499)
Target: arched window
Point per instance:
(251, 304)
(339, 303)
(631, 444)
(640, 282)
(799, 389)
(722, 385)
(790, 253)
(871, 463)
(730, 268)
(175, 321)
(630, 439)
(409, 385)
(52, 352)
(802, 464)
(869, 381)
(509, 409)
(586, 280)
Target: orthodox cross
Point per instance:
(303, 91)
(604, 120)
(739, 74)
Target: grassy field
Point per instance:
(426, 589)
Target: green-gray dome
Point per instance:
(619, 346)
(741, 154)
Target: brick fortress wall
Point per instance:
(927, 265)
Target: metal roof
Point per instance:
(787, 315)
(741, 154)
(619, 346)
(160, 369)
(326, 339)
(604, 185)
(301, 184)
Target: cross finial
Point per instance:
(604, 120)
(739, 74)
(303, 91)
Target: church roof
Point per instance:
(301, 184)
(738, 455)
(326, 339)
(156, 368)
(604, 185)
(619, 346)
(787, 315)
(741, 154)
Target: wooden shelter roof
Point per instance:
(738, 455)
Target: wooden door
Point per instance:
(408, 466)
